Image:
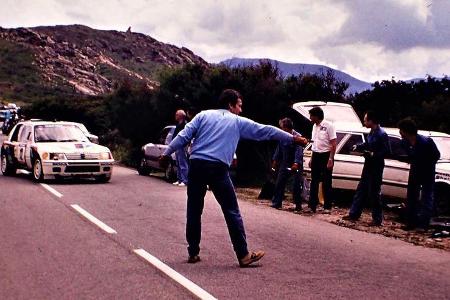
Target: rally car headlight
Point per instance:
(105, 155)
(57, 156)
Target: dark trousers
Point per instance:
(214, 174)
(420, 200)
(283, 176)
(320, 172)
(369, 188)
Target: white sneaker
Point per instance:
(176, 183)
(181, 184)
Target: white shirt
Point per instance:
(322, 134)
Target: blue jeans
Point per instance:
(214, 174)
(283, 176)
(420, 200)
(369, 188)
(182, 165)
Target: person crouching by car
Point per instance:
(288, 159)
(422, 156)
(375, 149)
(181, 154)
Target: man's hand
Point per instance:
(368, 154)
(299, 140)
(164, 161)
(330, 164)
(294, 167)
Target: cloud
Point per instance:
(394, 25)
(370, 39)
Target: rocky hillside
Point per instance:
(79, 59)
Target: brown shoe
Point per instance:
(193, 259)
(251, 258)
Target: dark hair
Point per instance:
(316, 112)
(408, 126)
(373, 116)
(228, 97)
(286, 123)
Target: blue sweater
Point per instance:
(216, 133)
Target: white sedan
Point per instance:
(348, 164)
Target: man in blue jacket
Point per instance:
(369, 188)
(422, 156)
(215, 135)
(288, 159)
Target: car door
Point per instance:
(154, 150)
(20, 149)
(348, 164)
(396, 172)
(28, 148)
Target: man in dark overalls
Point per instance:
(369, 188)
(288, 159)
(423, 156)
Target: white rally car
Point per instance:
(54, 150)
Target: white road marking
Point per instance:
(52, 190)
(186, 283)
(25, 172)
(93, 219)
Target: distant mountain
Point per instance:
(288, 69)
(80, 60)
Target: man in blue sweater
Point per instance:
(215, 135)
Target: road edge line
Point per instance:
(93, 219)
(180, 279)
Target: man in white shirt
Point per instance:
(322, 160)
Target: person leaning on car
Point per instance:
(322, 160)
(422, 156)
(369, 188)
(288, 159)
(215, 134)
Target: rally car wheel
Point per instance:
(38, 173)
(8, 169)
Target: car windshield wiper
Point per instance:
(68, 140)
(46, 141)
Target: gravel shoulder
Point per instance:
(391, 226)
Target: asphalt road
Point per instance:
(49, 251)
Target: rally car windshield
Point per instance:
(58, 133)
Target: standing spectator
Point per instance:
(288, 159)
(369, 188)
(215, 135)
(181, 154)
(322, 160)
(422, 155)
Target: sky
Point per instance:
(369, 39)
